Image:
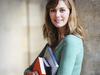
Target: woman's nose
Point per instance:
(57, 14)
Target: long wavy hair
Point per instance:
(72, 26)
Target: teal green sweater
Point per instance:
(70, 55)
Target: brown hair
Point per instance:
(72, 27)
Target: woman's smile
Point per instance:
(58, 20)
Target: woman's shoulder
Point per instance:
(73, 43)
(72, 38)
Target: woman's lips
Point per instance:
(58, 20)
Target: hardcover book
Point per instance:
(41, 66)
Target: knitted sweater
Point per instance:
(70, 54)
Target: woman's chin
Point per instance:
(58, 25)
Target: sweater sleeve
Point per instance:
(72, 46)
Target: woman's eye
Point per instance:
(62, 10)
(52, 10)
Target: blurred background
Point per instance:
(21, 37)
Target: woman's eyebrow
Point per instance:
(62, 7)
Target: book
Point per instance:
(41, 67)
(50, 57)
(38, 66)
(48, 60)
(47, 67)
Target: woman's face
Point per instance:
(59, 15)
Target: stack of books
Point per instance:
(46, 65)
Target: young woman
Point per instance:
(65, 36)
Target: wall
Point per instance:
(13, 37)
(89, 11)
(36, 21)
(20, 34)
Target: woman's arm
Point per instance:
(72, 47)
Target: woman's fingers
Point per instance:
(32, 73)
(35, 73)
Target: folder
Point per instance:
(50, 57)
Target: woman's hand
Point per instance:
(32, 73)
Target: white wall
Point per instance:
(21, 37)
(36, 21)
(13, 37)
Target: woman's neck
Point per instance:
(61, 33)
